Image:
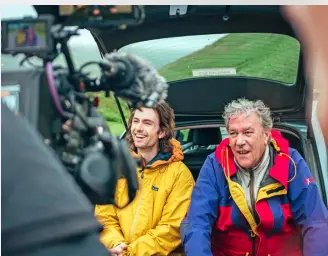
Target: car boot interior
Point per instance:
(204, 142)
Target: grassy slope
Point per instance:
(267, 56)
(109, 110)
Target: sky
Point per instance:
(17, 11)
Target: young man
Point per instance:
(150, 224)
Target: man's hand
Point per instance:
(118, 250)
(67, 126)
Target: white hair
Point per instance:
(244, 106)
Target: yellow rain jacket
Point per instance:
(150, 224)
(20, 38)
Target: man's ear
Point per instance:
(268, 135)
(161, 134)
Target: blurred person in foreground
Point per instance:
(255, 195)
(43, 211)
(310, 23)
(150, 224)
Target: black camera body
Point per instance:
(95, 157)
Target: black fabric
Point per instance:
(40, 201)
(86, 245)
(195, 158)
(207, 136)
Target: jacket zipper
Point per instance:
(251, 194)
(253, 203)
(138, 208)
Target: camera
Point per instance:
(51, 97)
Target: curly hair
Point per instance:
(166, 124)
(244, 106)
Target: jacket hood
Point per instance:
(165, 158)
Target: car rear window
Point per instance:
(260, 55)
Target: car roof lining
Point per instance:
(159, 24)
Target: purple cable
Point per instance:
(52, 87)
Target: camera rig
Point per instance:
(88, 150)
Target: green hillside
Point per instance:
(110, 111)
(257, 55)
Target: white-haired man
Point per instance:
(255, 195)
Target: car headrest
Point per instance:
(207, 136)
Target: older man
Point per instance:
(255, 195)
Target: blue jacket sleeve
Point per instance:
(308, 208)
(203, 210)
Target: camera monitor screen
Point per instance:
(31, 35)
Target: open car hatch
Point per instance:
(198, 97)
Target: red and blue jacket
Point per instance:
(291, 216)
